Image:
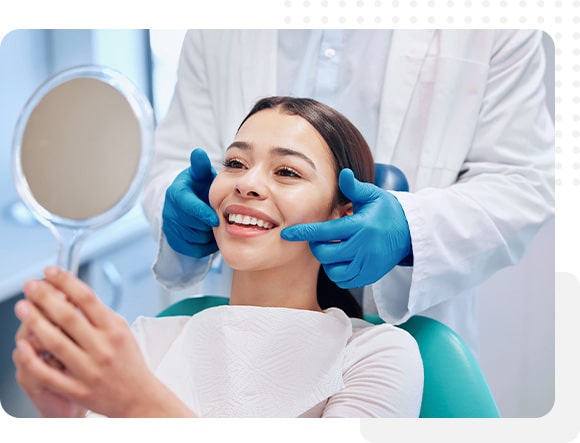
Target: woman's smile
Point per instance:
(243, 221)
(246, 220)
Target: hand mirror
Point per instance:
(81, 152)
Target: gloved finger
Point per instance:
(196, 208)
(342, 274)
(196, 237)
(180, 232)
(338, 229)
(202, 171)
(197, 247)
(358, 273)
(195, 251)
(356, 191)
(184, 200)
(200, 251)
(343, 271)
(202, 175)
(349, 273)
(333, 252)
(200, 165)
(343, 279)
(190, 217)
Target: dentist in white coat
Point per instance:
(462, 113)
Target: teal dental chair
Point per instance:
(454, 385)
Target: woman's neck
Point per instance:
(275, 288)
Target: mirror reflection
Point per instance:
(80, 149)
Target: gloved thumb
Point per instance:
(202, 174)
(200, 166)
(354, 190)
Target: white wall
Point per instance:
(516, 319)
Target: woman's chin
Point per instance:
(244, 261)
(260, 255)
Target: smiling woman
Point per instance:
(282, 168)
(275, 350)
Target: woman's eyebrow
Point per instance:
(277, 151)
(282, 152)
(240, 145)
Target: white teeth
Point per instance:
(247, 220)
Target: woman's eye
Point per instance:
(233, 163)
(288, 172)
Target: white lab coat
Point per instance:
(463, 115)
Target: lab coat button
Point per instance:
(329, 53)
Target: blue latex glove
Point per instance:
(373, 240)
(187, 216)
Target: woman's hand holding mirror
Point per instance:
(81, 152)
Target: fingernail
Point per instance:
(21, 309)
(51, 271)
(30, 285)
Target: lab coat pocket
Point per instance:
(443, 116)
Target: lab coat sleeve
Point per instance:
(190, 123)
(463, 233)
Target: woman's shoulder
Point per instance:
(370, 343)
(376, 342)
(169, 325)
(382, 373)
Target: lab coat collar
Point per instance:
(407, 52)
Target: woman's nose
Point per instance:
(251, 185)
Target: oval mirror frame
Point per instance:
(49, 118)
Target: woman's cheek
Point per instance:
(307, 208)
(214, 194)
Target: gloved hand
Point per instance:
(372, 241)
(187, 217)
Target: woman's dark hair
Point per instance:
(349, 150)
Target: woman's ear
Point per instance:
(342, 210)
(347, 209)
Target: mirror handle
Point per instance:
(69, 242)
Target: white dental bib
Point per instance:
(246, 361)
